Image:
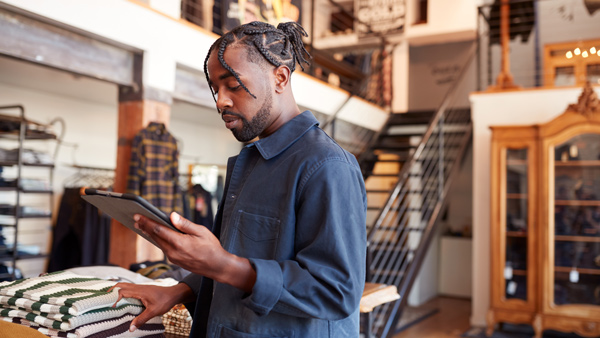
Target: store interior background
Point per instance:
(423, 59)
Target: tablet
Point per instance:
(122, 207)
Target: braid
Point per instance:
(222, 47)
(206, 68)
(279, 46)
(294, 33)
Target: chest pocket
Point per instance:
(256, 236)
(229, 333)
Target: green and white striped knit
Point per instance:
(63, 300)
(106, 328)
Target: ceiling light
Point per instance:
(569, 54)
(584, 54)
(577, 51)
(593, 50)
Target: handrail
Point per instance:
(405, 171)
(396, 262)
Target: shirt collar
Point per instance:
(157, 127)
(285, 136)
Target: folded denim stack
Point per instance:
(65, 304)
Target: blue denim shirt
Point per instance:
(295, 206)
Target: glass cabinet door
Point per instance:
(577, 221)
(515, 270)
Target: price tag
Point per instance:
(508, 272)
(574, 276)
(511, 288)
(573, 151)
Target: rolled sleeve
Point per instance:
(267, 289)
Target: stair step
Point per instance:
(395, 228)
(396, 160)
(402, 154)
(384, 175)
(397, 146)
(386, 273)
(391, 247)
(410, 118)
(378, 191)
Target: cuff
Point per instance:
(267, 289)
(194, 282)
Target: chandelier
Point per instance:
(584, 53)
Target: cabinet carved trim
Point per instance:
(588, 103)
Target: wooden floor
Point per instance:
(452, 320)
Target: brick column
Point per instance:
(137, 108)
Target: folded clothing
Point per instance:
(65, 301)
(115, 327)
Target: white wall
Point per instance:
(434, 70)
(447, 21)
(488, 109)
(400, 77)
(425, 286)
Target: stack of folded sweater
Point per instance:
(64, 304)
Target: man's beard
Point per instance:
(252, 129)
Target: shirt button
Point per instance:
(232, 196)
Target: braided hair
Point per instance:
(279, 46)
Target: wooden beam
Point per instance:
(505, 78)
(60, 47)
(191, 87)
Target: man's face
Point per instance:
(245, 116)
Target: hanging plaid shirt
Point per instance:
(153, 170)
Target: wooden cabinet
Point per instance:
(545, 236)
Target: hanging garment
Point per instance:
(202, 206)
(81, 234)
(153, 170)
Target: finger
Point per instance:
(163, 236)
(141, 319)
(119, 292)
(184, 225)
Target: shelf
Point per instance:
(566, 269)
(25, 217)
(567, 238)
(12, 163)
(5, 258)
(516, 162)
(582, 203)
(519, 272)
(27, 191)
(516, 234)
(516, 196)
(29, 135)
(577, 163)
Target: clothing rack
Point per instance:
(90, 176)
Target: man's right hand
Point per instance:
(158, 300)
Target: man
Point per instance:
(287, 256)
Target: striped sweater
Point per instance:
(65, 301)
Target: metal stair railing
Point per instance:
(400, 236)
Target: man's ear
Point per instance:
(282, 78)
